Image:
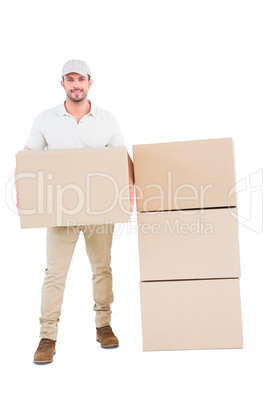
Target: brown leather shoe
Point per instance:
(45, 351)
(106, 337)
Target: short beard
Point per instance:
(76, 100)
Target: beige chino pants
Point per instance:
(61, 243)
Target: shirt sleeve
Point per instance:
(36, 139)
(116, 139)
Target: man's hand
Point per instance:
(131, 196)
(131, 182)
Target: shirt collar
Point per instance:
(61, 111)
(93, 109)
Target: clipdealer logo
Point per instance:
(250, 193)
(50, 197)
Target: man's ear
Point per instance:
(90, 82)
(62, 84)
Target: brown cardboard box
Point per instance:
(190, 244)
(182, 175)
(73, 187)
(197, 314)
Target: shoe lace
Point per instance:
(45, 342)
(106, 329)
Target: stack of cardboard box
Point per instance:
(188, 245)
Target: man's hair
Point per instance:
(88, 76)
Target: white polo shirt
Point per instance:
(57, 129)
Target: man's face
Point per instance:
(76, 86)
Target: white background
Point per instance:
(168, 71)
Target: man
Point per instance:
(76, 123)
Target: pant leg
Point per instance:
(98, 239)
(61, 243)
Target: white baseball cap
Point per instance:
(75, 66)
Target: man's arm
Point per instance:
(131, 182)
(130, 170)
